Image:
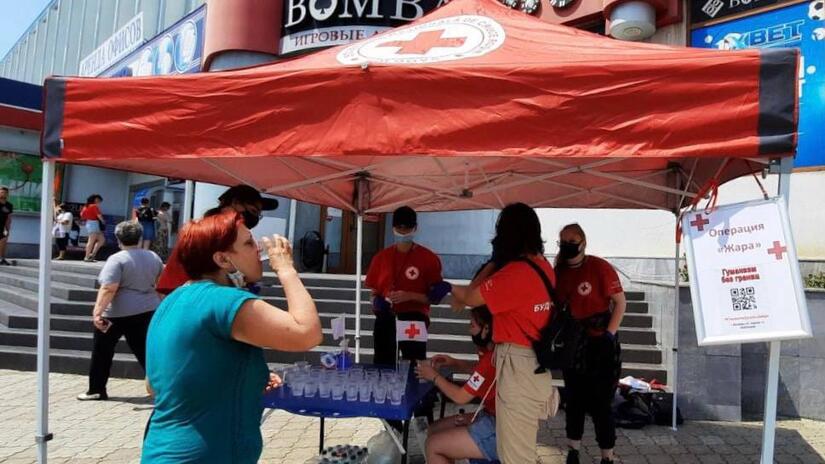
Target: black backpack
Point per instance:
(312, 251)
(561, 342)
(145, 214)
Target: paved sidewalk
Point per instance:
(111, 431)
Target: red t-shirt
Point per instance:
(588, 288)
(90, 212)
(518, 300)
(482, 380)
(173, 275)
(414, 271)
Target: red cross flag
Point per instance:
(411, 331)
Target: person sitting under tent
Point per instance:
(465, 436)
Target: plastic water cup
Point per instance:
(396, 393)
(351, 390)
(364, 392)
(297, 388)
(379, 392)
(338, 391)
(310, 388)
(324, 389)
(301, 365)
(404, 368)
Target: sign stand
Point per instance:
(772, 385)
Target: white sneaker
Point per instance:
(92, 397)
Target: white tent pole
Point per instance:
(359, 251)
(44, 292)
(675, 349)
(772, 382)
(188, 201)
(293, 212)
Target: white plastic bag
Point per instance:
(382, 450)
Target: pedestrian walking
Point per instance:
(6, 210)
(164, 227)
(145, 215)
(63, 220)
(125, 304)
(95, 225)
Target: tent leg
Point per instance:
(675, 349)
(188, 201)
(293, 211)
(44, 309)
(772, 382)
(359, 252)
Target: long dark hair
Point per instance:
(518, 233)
(92, 198)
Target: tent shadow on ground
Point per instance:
(136, 400)
(694, 439)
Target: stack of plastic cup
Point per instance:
(364, 391)
(351, 389)
(324, 388)
(310, 387)
(338, 390)
(396, 393)
(297, 383)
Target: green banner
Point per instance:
(23, 175)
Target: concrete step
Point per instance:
(58, 289)
(62, 340)
(75, 267)
(82, 280)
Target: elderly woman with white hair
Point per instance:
(125, 304)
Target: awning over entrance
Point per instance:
(20, 105)
(472, 106)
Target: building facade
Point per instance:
(117, 38)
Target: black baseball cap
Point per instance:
(247, 195)
(404, 217)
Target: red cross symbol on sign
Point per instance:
(777, 250)
(423, 42)
(476, 379)
(699, 222)
(412, 331)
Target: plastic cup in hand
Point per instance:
(351, 388)
(324, 389)
(396, 393)
(337, 391)
(379, 392)
(364, 391)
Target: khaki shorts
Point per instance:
(522, 399)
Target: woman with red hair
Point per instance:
(204, 359)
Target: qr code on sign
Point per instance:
(743, 298)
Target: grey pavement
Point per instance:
(111, 431)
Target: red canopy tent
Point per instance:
(472, 106)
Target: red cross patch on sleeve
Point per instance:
(476, 381)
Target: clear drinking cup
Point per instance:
(296, 386)
(364, 391)
(324, 389)
(310, 388)
(396, 393)
(351, 388)
(337, 390)
(379, 392)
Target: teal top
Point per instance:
(208, 387)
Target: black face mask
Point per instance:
(250, 220)
(482, 341)
(568, 250)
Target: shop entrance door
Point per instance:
(339, 230)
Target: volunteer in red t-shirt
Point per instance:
(241, 198)
(521, 305)
(94, 226)
(400, 278)
(461, 436)
(592, 289)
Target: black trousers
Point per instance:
(62, 243)
(592, 391)
(134, 328)
(383, 336)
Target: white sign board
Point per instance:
(744, 275)
(120, 44)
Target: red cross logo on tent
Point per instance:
(777, 250)
(412, 331)
(699, 222)
(425, 41)
(412, 273)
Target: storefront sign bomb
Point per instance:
(322, 10)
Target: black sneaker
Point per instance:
(3, 262)
(572, 456)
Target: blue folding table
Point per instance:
(281, 398)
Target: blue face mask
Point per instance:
(404, 238)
